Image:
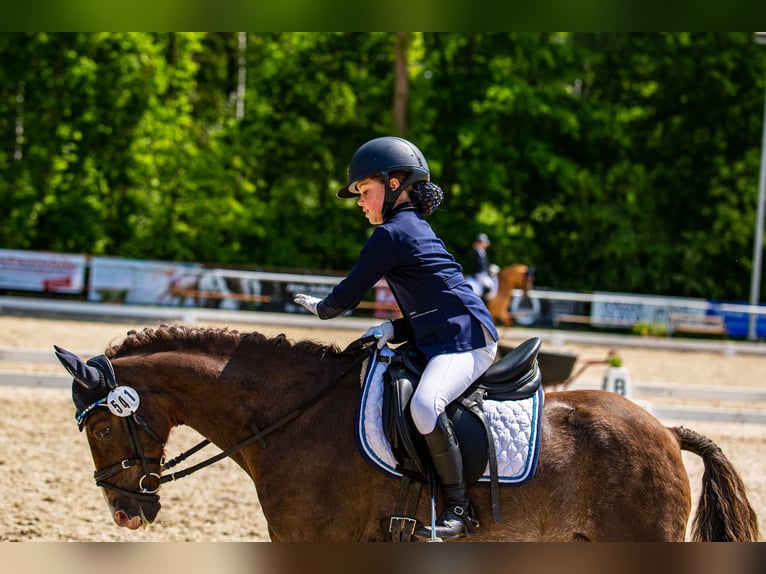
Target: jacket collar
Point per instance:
(406, 206)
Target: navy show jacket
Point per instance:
(441, 313)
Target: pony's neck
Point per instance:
(227, 399)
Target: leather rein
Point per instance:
(131, 424)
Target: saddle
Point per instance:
(515, 377)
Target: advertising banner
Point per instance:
(40, 271)
(116, 280)
(738, 322)
(625, 310)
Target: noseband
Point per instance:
(143, 493)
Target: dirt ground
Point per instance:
(46, 470)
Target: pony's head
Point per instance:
(127, 448)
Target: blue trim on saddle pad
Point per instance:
(373, 445)
(515, 429)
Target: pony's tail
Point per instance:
(724, 513)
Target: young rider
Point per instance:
(447, 321)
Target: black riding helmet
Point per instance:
(385, 155)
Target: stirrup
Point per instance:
(446, 528)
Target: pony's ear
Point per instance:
(84, 374)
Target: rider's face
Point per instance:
(371, 196)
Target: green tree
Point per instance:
(689, 111)
(621, 162)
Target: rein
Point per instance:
(151, 495)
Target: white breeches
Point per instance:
(444, 379)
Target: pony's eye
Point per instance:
(103, 433)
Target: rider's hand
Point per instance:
(307, 301)
(383, 333)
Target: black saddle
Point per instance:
(515, 377)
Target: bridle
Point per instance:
(132, 424)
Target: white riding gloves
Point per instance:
(308, 302)
(383, 333)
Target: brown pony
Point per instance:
(511, 277)
(608, 470)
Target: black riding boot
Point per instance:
(455, 520)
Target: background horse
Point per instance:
(608, 469)
(512, 277)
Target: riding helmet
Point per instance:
(384, 155)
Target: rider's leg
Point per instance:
(444, 379)
(456, 519)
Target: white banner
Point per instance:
(39, 271)
(116, 280)
(626, 313)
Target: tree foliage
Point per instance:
(620, 162)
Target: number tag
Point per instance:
(123, 401)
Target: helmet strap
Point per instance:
(390, 197)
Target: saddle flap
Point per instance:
(406, 443)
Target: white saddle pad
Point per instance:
(515, 427)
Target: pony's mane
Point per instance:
(208, 339)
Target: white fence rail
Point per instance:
(192, 315)
(187, 290)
